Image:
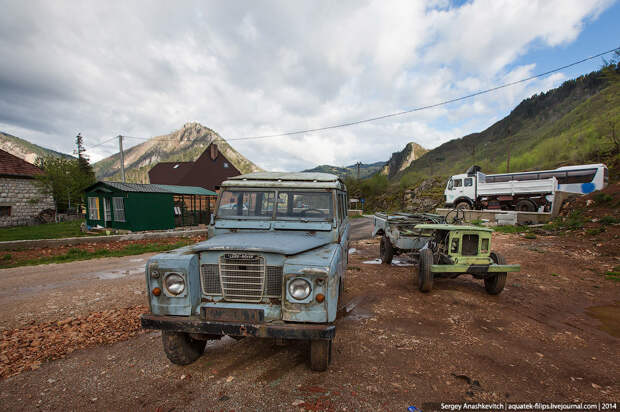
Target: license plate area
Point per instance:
(233, 314)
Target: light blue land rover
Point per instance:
(273, 267)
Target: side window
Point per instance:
(339, 207)
(458, 183)
(469, 182)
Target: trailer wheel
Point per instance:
(180, 348)
(463, 205)
(525, 205)
(495, 284)
(425, 276)
(385, 250)
(320, 354)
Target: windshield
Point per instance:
(306, 205)
(291, 204)
(244, 203)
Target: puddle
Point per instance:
(609, 316)
(352, 310)
(117, 274)
(395, 262)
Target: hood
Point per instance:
(285, 243)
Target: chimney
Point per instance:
(214, 151)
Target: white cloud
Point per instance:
(247, 68)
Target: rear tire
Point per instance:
(385, 250)
(425, 276)
(320, 354)
(463, 205)
(180, 348)
(495, 284)
(525, 205)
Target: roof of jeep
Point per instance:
(440, 226)
(286, 179)
(297, 176)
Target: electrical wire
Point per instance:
(415, 109)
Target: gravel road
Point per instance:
(552, 335)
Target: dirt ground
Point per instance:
(552, 335)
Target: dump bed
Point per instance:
(515, 187)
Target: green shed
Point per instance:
(136, 206)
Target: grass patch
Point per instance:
(529, 236)
(595, 231)
(613, 274)
(574, 221)
(74, 254)
(609, 220)
(45, 231)
(353, 268)
(7, 256)
(477, 222)
(602, 198)
(510, 229)
(554, 274)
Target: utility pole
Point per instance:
(120, 149)
(358, 170)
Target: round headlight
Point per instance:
(175, 284)
(299, 289)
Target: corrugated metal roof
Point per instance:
(300, 176)
(153, 188)
(188, 190)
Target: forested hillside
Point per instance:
(576, 123)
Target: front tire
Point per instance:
(386, 250)
(425, 276)
(495, 284)
(320, 354)
(525, 205)
(180, 348)
(463, 205)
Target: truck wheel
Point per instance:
(463, 205)
(495, 284)
(425, 276)
(180, 348)
(320, 354)
(385, 250)
(525, 205)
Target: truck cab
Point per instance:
(272, 267)
(461, 191)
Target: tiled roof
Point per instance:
(169, 173)
(14, 166)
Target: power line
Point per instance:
(416, 109)
(104, 142)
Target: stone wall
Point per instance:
(25, 198)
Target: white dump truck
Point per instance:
(471, 191)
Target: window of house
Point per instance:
(458, 183)
(469, 181)
(5, 211)
(93, 208)
(119, 209)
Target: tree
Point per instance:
(64, 179)
(83, 160)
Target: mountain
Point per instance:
(366, 170)
(24, 149)
(401, 160)
(183, 145)
(575, 123)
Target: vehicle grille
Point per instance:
(211, 279)
(242, 280)
(470, 245)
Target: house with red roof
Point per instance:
(21, 199)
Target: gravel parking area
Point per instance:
(552, 335)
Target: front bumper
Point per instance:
(475, 269)
(260, 330)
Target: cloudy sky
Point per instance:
(144, 68)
